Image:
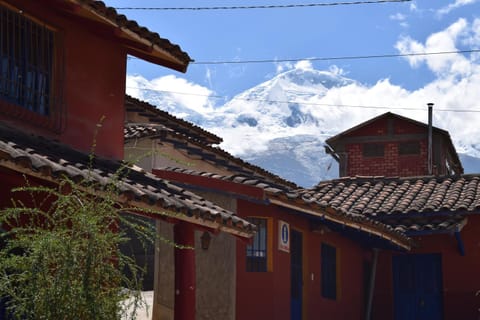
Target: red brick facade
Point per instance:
(391, 145)
(391, 164)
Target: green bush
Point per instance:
(60, 257)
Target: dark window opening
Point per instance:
(26, 62)
(257, 251)
(329, 271)
(373, 150)
(408, 148)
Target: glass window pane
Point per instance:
(257, 251)
(26, 61)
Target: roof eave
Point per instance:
(136, 44)
(400, 241)
(213, 225)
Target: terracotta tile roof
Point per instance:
(407, 203)
(139, 130)
(250, 180)
(213, 155)
(155, 115)
(291, 198)
(49, 160)
(414, 227)
(184, 135)
(153, 38)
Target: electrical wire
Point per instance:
(473, 110)
(328, 4)
(358, 57)
(339, 57)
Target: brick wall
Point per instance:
(359, 153)
(391, 164)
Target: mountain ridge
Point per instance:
(282, 123)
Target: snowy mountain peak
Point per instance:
(282, 103)
(314, 78)
(296, 83)
(281, 124)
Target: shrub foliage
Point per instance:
(60, 256)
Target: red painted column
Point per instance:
(184, 309)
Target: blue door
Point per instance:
(296, 276)
(417, 282)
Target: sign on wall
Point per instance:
(283, 236)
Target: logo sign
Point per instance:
(283, 236)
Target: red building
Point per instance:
(341, 271)
(307, 259)
(391, 145)
(438, 278)
(62, 78)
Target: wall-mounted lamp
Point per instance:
(205, 238)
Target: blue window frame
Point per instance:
(257, 252)
(329, 271)
(26, 61)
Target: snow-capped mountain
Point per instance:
(281, 124)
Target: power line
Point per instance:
(329, 4)
(473, 110)
(338, 57)
(358, 57)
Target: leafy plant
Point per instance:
(60, 257)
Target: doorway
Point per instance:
(296, 276)
(417, 283)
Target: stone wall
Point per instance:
(215, 271)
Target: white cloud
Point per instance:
(452, 6)
(337, 71)
(208, 77)
(455, 88)
(472, 39)
(398, 17)
(288, 65)
(283, 66)
(413, 6)
(173, 89)
(443, 41)
(304, 65)
(401, 18)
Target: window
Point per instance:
(329, 271)
(257, 252)
(26, 62)
(373, 150)
(409, 148)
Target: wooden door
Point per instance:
(417, 281)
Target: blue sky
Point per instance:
(349, 30)
(403, 85)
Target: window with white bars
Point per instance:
(27, 52)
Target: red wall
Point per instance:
(391, 164)
(12, 179)
(94, 83)
(266, 295)
(461, 274)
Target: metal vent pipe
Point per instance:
(430, 148)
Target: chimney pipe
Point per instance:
(430, 149)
